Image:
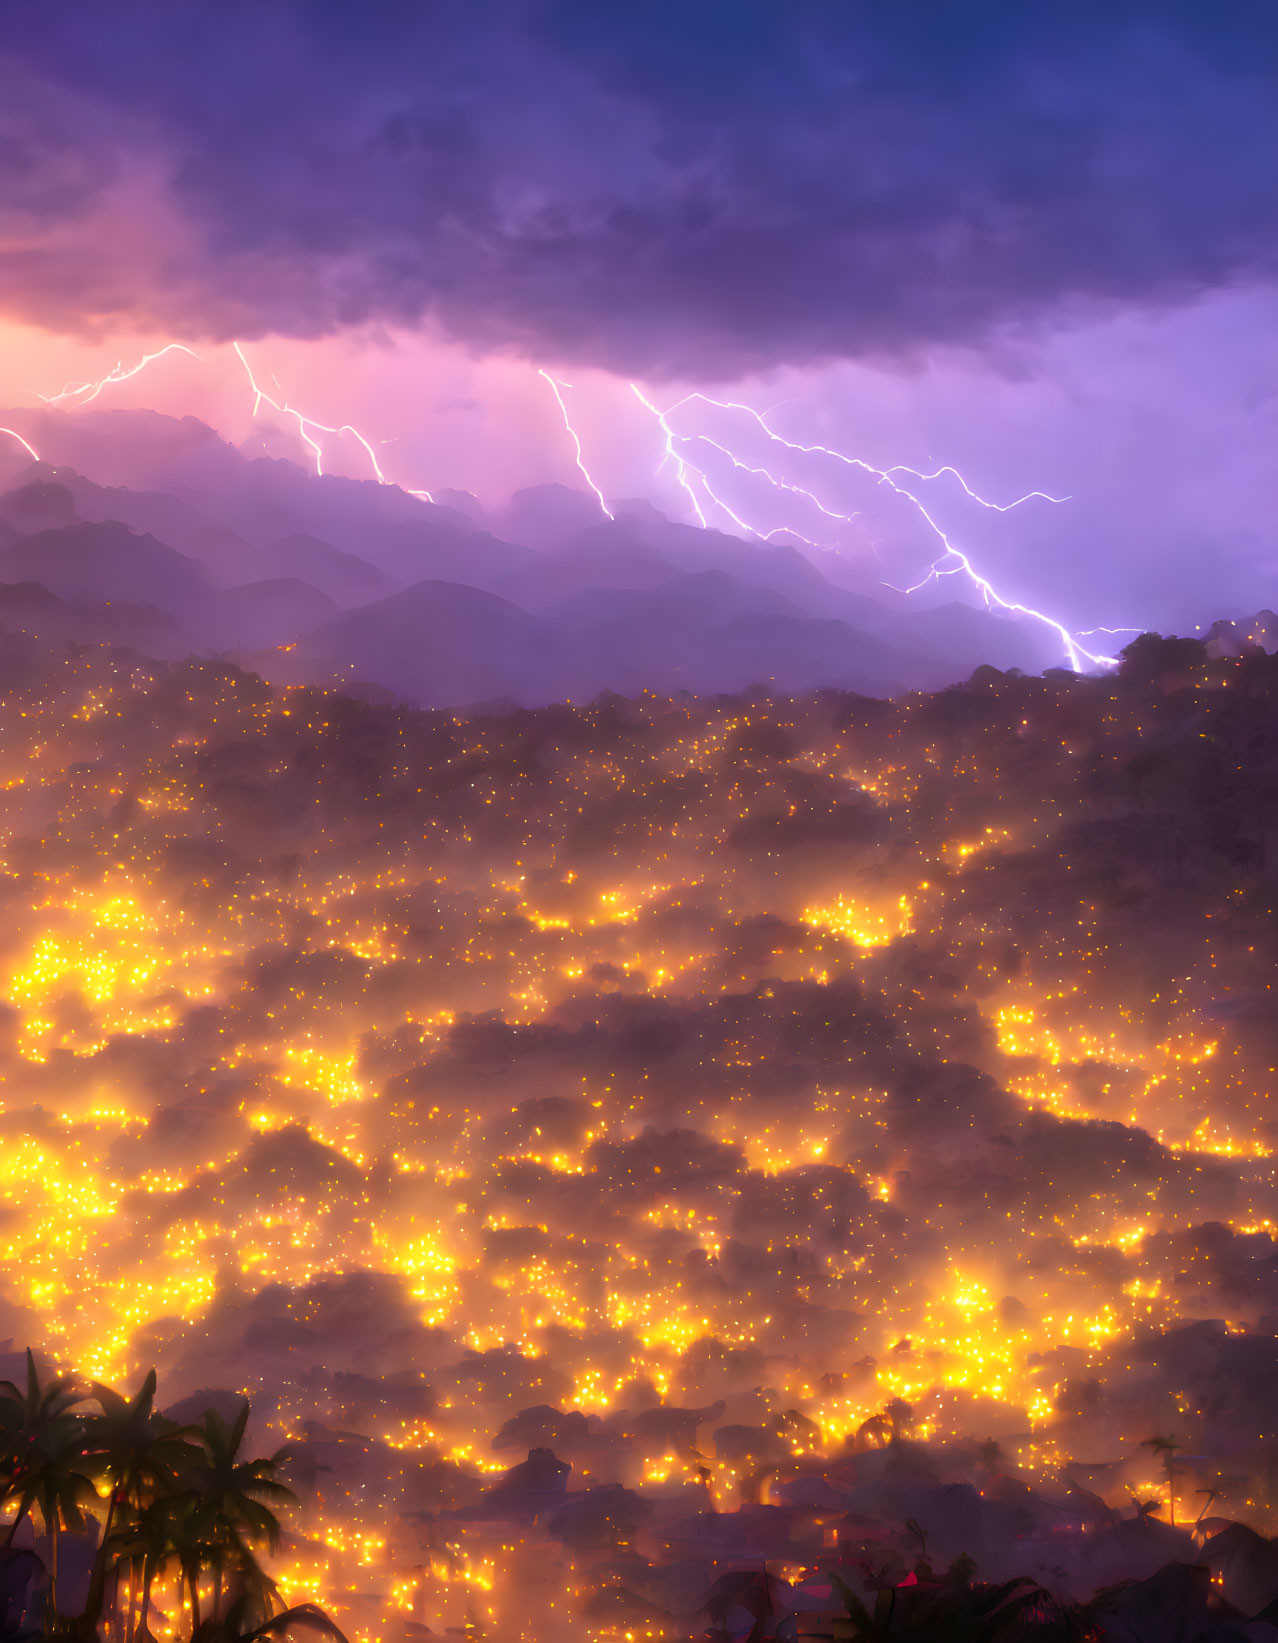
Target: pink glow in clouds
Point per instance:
(434, 414)
(1159, 431)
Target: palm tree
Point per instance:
(142, 1454)
(28, 1416)
(176, 1495)
(39, 1402)
(252, 1599)
(54, 1480)
(240, 1488)
(1166, 1447)
(145, 1544)
(198, 1542)
(234, 1493)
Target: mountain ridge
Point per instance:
(320, 579)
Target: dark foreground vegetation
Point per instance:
(136, 1498)
(141, 1500)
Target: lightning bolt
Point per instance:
(556, 389)
(761, 418)
(683, 467)
(26, 444)
(999, 507)
(951, 561)
(118, 373)
(304, 423)
(991, 596)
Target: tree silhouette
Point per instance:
(143, 1455)
(237, 1487)
(232, 1494)
(1166, 1447)
(183, 1498)
(54, 1481)
(144, 1543)
(27, 1415)
(198, 1541)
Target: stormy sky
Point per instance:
(1036, 242)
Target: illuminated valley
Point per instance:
(783, 1110)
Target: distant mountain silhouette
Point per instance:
(105, 563)
(554, 577)
(547, 516)
(278, 611)
(152, 531)
(29, 608)
(344, 577)
(438, 642)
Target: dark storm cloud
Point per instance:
(664, 187)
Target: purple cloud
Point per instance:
(695, 189)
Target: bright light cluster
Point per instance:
(413, 1072)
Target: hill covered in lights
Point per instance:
(616, 1144)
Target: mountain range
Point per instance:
(153, 532)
